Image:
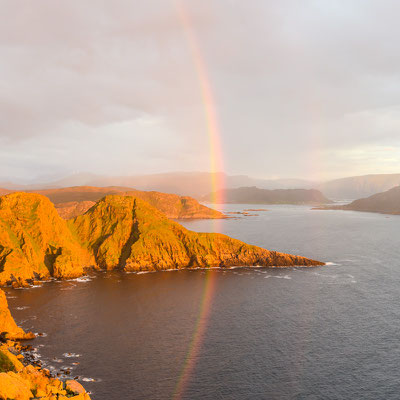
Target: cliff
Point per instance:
(127, 233)
(20, 380)
(35, 243)
(8, 327)
(254, 195)
(386, 203)
(73, 201)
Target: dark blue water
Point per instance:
(330, 332)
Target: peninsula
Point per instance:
(118, 232)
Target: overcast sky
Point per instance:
(307, 89)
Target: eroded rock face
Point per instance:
(127, 233)
(73, 208)
(7, 323)
(35, 243)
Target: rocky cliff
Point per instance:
(117, 232)
(35, 243)
(20, 380)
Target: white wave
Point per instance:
(331, 263)
(22, 308)
(71, 355)
(89, 380)
(83, 279)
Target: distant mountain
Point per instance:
(359, 186)
(254, 195)
(196, 184)
(386, 203)
(4, 191)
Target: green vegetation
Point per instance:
(6, 364)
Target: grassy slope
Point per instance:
(126, 232)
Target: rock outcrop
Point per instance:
(73, 201)
(73, 209)
(254, 195)
(20, 380)
(127, 233)
(35, 243)
(8, 327)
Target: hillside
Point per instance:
(35, 243)
(117, 232)
(386, 203)
(73, 201)
(126, 232)
(254, 195)
(359, 186)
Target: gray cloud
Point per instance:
(303, 89)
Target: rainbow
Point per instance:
(212, 124)
(217, 183)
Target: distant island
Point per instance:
(254, 195)
(73, 201)
(386, 203)
(356, 187)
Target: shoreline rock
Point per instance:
(22, 378)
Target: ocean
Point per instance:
(330, 332)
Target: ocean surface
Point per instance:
(329, 332)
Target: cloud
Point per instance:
(293, 82)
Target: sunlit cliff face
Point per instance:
(114, 88)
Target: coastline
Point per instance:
(22, 377)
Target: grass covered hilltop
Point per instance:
(118, 232)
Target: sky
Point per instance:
(301, 89)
